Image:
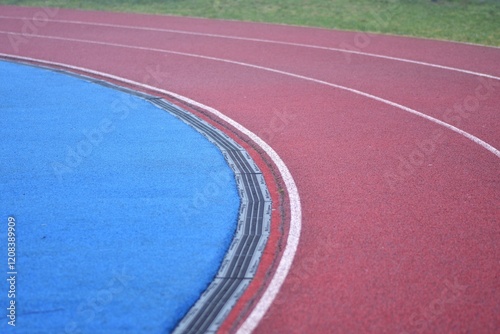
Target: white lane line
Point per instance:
(293, 194)
(310, 46)
(289, 74)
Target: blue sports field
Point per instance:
(123, 212)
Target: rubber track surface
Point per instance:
(400, 213)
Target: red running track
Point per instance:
(394, 150)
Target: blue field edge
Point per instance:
(240, 263)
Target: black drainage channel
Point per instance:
(240, 263)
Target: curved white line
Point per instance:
(293, 194)
(310, 46)
(293, 75)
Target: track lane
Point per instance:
(345, 49)
(356, 293)
(363, 44)
(461, 107)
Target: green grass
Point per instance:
(474, 21)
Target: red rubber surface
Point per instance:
(400, 229)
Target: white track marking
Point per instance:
(289, 74)
(293, 194)
(310, 46)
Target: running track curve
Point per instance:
(392, 144)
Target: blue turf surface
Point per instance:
(123, 212)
